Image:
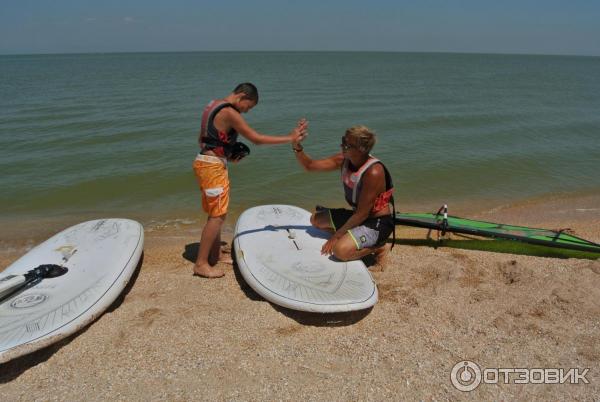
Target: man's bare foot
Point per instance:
(225, 248)
(226, 259)
(206, 271)
(380, 255)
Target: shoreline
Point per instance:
(564, 210)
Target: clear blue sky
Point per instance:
(500, 26)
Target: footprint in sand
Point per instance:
(147, 317)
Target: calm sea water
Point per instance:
(115, 134)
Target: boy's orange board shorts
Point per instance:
(213, 180)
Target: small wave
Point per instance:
(168, 223)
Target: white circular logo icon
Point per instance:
(465, 376)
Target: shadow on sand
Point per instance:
(190, 252)
(499, 246)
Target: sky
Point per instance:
(564, 27)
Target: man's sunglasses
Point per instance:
(345, 146)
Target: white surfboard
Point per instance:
(100, 257)
(278, 252)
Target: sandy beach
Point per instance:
(178, 337)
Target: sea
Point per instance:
(85, 136)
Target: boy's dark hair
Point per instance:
(249, 91)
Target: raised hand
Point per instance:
(299, 132)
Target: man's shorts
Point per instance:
(213, 180)
(372, 233)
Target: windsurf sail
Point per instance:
(442, 222)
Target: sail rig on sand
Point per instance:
(443, 223)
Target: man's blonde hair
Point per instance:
(363, 136)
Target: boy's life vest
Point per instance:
(211, 139)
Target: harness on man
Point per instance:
(352, 182)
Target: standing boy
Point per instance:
(222, 121)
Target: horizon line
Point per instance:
(296, 51)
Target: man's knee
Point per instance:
(344, 251)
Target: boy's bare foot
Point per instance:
(206, 271)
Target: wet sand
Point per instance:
(179, 337)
